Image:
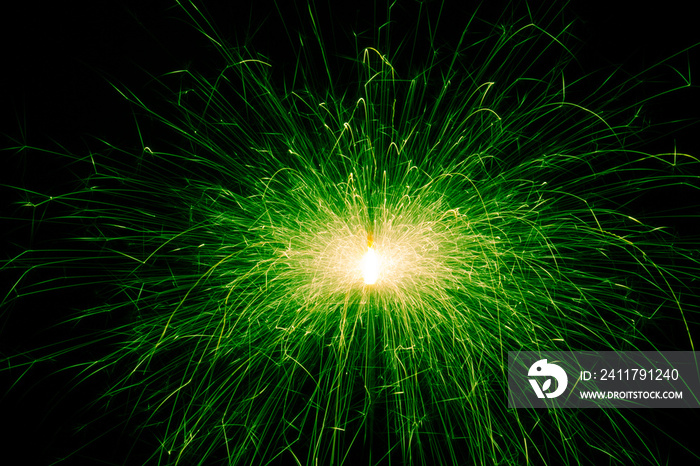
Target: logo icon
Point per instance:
(542, 369)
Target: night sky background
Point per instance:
(57, 60)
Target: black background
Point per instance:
(57, 60)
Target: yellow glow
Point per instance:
(370, 266)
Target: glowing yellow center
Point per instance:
(370, 266)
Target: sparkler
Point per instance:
(316, 273)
